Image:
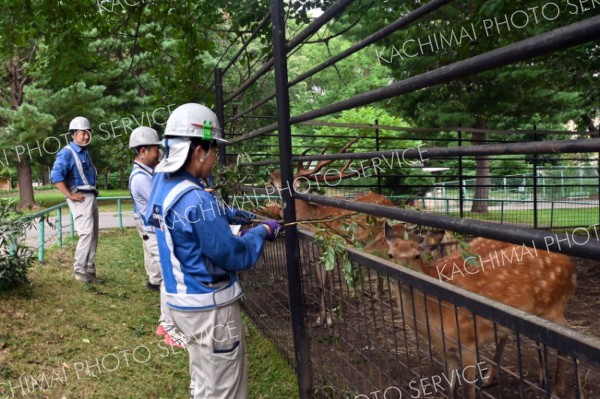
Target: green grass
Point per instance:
(57, 325)
(560, 217)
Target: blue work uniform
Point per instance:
(200, 258)
(74, 167)
(199, 254)
(66, 169)
(140, 185)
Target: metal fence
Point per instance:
(418, 336)
(370, 349)
(542, 196)
(59, 225)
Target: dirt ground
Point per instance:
(366, 348)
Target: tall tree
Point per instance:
(547, 91)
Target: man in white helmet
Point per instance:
(74, 175)
(145, 144)
(200, 256)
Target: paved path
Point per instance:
(108, 220)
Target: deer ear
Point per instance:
(432, 240)
(389, 232)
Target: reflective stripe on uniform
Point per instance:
(222, 297)
(137, 170)
(86, 184)
(181, 299)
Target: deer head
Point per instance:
(319, 173)
(404, 252)
(409, 251)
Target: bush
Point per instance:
(15, 263)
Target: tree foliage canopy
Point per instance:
(117, 62)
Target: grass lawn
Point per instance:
(90, 341)
(558, 217)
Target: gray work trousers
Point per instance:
(85, 219)
(217, 350)
(151, 256)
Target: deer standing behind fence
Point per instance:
(331, 218)
(540, 284)
(337, 220)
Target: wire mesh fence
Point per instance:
(409, 342)
(389, 331)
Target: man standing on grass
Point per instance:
(200, 256)
(75, 176)
(145, 144)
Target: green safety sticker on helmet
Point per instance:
(207, 130)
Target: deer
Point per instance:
(433, 245)
(540, 285)
(332, 218)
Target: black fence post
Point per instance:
(220, 112)
(461, 183)
(377, 147)
(301, 344)
(535, 183)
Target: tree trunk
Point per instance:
(18, 80)
(45, 173)
(26, 200)
(482, 173)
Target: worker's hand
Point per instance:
(77, 197)
(273, 228)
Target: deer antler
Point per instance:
(323, 177)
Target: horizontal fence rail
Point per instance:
(558, 39)
(44, 219)
(348, 328)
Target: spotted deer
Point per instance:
(332, 218)
(434, 249)
(539, 283)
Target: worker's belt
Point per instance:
(220, 297)
(220, 282)
(83, 189)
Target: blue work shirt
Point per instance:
(204, 248)
(65, 169)
(140, 184)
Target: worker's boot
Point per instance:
(94, 279)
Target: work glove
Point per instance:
(275, 228)
(242, 217)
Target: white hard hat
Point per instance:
(143, 135)
(194, 120)
(80, 123)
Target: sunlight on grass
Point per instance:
(86, 341)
